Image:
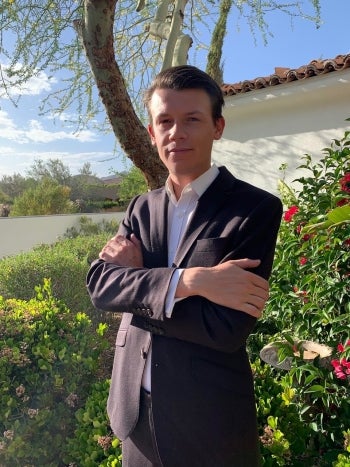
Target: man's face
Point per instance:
(183, 131)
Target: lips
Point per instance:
(177, 150)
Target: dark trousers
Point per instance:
(140, 448)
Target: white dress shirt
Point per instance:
(180, 213)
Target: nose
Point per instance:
(177, 131)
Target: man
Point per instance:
(188, 269)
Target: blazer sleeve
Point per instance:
(141, 291)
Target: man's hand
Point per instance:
(227, 284)
(123, 252)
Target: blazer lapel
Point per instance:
(159, 225)
(207, 208)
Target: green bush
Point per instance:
(66, 263)
(309, 300)
(93, 442)
(282, 432)
(87, 227)
(49, 357)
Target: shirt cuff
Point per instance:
(170, 298)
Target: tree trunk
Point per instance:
(214, 66)
(96, 32)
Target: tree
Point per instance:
(132, 184)
(86, 169)
(14, 185)
(48, 197)
(125, 46)
(53, 169)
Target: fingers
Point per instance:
(246, 263)
(123, 252)
(231, 285)
(256, 280)
(135, 241)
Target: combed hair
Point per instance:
(187, 77)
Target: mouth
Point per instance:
(177, 150)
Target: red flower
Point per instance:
(303, 260)
(343, 202)
(341, 347)
(341, 368)
(306, 237)
(288, 215)
(338, 369)
(345, 183)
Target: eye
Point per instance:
(164, 121)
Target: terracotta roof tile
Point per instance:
(287, 75)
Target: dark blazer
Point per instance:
(202, 386)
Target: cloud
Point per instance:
(36, 133)
(34, 86)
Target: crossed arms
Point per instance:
(228, 284)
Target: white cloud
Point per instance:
(35, 133)
(6, 124)
(34, 86)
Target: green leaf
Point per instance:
(336, 217)
(315, 388)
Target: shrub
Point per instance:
(66, 263)
(309, 300)
(87, 227)
(282, 433)
(310, 279)
(46, 197)
(93, 442)
(49, 358)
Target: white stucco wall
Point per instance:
(268, 127)
(21, 234)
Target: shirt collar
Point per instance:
(199, 185)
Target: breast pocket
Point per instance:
(209, 251)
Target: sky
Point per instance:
(26, 136)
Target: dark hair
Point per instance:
(187, 77)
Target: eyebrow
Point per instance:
(192, 112)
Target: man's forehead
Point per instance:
(186, 100)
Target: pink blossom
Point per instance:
(338, 369)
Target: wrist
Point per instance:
(191, 282)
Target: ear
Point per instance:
(219, 127)
(151, 134)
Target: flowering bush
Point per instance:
(309, 300)
(342, 364)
